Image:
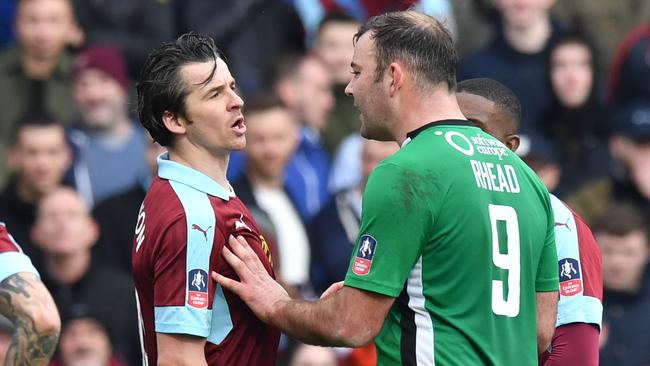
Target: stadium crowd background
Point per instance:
(75, 163)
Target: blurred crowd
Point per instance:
(75, 163)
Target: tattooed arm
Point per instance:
(27, 303)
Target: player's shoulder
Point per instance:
(161, 204)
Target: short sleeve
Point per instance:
(547, 273)
(12, 259)
(181, 285)
(395, 223)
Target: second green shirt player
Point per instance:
(430, 226)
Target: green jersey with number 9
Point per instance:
(460, 231)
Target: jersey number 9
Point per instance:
(508, 261)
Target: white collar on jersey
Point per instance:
(171, 170)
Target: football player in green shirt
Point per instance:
(455, 262)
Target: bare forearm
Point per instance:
(313, 322)
(24, 300)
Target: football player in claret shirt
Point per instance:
(188, 101)
(495, 108)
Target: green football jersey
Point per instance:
(460, 231)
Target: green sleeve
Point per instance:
(397, 219)
(547, 271)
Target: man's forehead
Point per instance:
(196, 73)
(364, 48)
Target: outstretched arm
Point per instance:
(26, 302)
(348, 317)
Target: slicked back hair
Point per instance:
(161, 87)
(419, 41)
(492, 90)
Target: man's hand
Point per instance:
(255, 286)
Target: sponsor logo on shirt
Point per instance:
(240, 224)
(365, 254)
(200, 229)
(570, 281)
(564, 224)
(197, 288)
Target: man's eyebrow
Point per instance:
(213, 89)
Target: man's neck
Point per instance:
(68, 269)
(214, 166)
(418, 110)
(38, 68)
(259, 180)
(530, 39)
(26, 193)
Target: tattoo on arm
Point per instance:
(20, 300)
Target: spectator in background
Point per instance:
(305, 86)
(307, 355)
(539, 154)
(34, 72)
(135, 27)
(109, 149)
(629, 177)
(576, 121)
(39, 157)
(272, 136)
(65, 231)
(629, 79)
(251, 33)
(115, 241)
(333, 45)
(85, 340)
(335, 229)
(517, 57)
(606, 22)
(622, 234)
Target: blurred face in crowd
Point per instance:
(370, 96)
(571, 74)
(63, 224)
(41, 158)
(373, 153)
(624, 260)
(84, 342)
(313, 94)
(101, 100)
(307, 355)
(44, 26)
(334, 46)
(523, 13)
(272, 139)
(213, 120)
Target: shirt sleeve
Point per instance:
(547, 273)
(182, 289)
(12, 259)
(394, 226)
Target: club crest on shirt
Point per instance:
(197, 288)
(364, 256)
(570, 281)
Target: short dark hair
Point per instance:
(621, 219)
(38, 120)
(161, 87)
(263, 102)
(492, 90)
(416, 39)
(336, 17)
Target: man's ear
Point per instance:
(396, 77)
(173, 123)
(512, 142)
